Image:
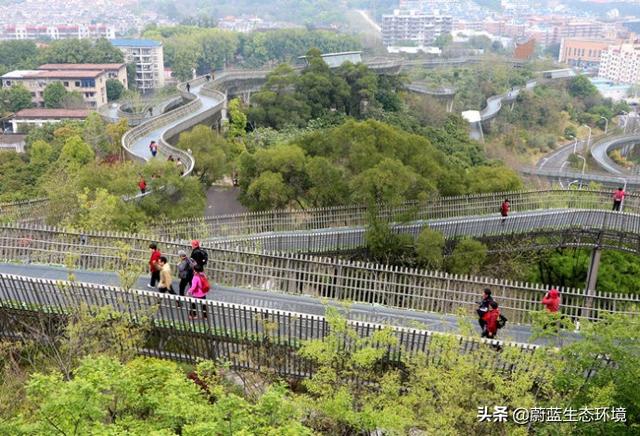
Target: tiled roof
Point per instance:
(52, 113)
(114, 66)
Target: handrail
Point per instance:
(22, 296)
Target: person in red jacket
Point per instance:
(142, 185)
(552, 300)
(618, 196)
(154, 265)
(491, 321)
(504, 209)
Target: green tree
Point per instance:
(210, 151)
(114, 89)
(467, 258)
(269, 191)
(580, 86)
(54, 94)
(76, 151)
(429, 249)
(14, 99)
(237, 119)
(41, 153)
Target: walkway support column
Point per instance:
(592, 279)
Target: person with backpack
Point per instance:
(618, 196)
(483, 306)
(185, 272)
(551, 301)
(154, 265)
(153, 148)
(504, 209)
(491, 320)
(166, 280)
(199, 289)
(199, 256)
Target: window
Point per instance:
(66, 84)
(88, 83)
(77, 84)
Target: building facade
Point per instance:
(621, 63)
(414, 27)
(116, 71)
(148, 57)
(583, 52)
(62, 31)
(91, 84)
(553, 32)
(38, 117)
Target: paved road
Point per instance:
(223, 200)
(294, 303)
(600, 152)
(141, 146)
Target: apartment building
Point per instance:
(148, 57)
(583, 52)
(116, 71)
(39, 117)
(621, 63)
(552, 33)
(414, 27)
(61, 31)
(91, 84)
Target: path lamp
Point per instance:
(584, 167)
(589, 138)
(606, 124)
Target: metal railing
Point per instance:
(246, 337)
(296, 274)
(357, 216)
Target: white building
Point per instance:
(148, 57)
(414, 28)
(61, 31)
(621, 63)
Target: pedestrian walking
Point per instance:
(618, 196)
(483, 306)
(153, 148)
(551, 300)
(491, 319)
(504, 209)
(154, 265)
(198, 255)
(142, 185)
(166, 279)
(150, 111)
(185, 272)
(208, 77)
(188, 87)
(180, 166)
(170, 158)
(199, 289)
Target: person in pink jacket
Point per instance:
(199, 289)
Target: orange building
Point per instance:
(583, 52)
(524, 50)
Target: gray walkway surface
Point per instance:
(223, 200)
(141, 146)
(293, 303)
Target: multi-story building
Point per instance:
(583, 52)
(148, 57)
(91, 84)
(116, 71)
(621, 63)
(414, 27)
(553, 32)
(62, 31)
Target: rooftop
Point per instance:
(45, 74)
(38, 113)
(120, 42)
(76, 67)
